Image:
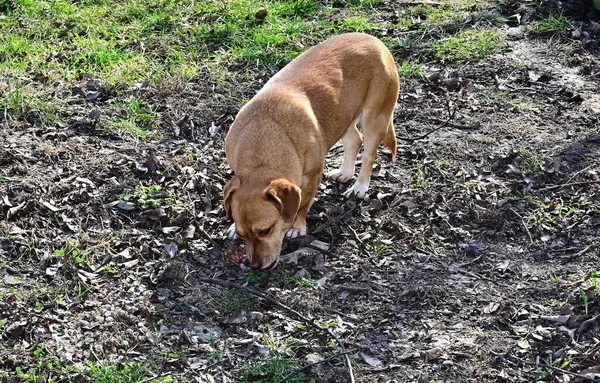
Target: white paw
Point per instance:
(340, 175)
(295, 233)
(358, 191)
(231, 233)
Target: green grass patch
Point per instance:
(49, 368)
(270, 370)
(119, 44)
(233, 302)
(408, 70)
(449, 15)
(357, 23)
(548, 214)
(149, 197)
(156, 39)
(469, 45)
(129, 373)
(529, 163)
(554, 22)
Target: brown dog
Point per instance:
(278, 142)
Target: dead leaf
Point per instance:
(371, 361)
(49, 206)
(12, 212)
(171, 249)
(130, 264)
(523, 343)
(513, 169)
(170, 229)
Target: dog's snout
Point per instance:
(253, 264)
(258, 264)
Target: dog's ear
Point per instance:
(228, 191)
(286, 196)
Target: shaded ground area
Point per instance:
(482, 238)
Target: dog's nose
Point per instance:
(253, 264)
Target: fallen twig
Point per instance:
(317, 248)
(451, 113)
(524, 225)
(207, 236)
(580, 280)
(515, 362)
(577, 254)
(290, 310)
(309, 366)
(569, 184)
(360, 241)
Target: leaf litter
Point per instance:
(467, 248)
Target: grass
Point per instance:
(548, 214)
(554, 22)
(410, 69)
(123, 43)
(49, 368)
(157, 39)
(380, 246)
(149, 197)
(270, 370)
(59, 42)
(450, 15)
(233, 302)
(469, 45)
(128, 373)
(529, 162)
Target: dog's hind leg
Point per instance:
(351, 141)
(375, 128)
(390, 139)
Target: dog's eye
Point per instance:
(265, 232)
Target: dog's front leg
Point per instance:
(231, 232)
(309, 189)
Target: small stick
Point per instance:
(569, 184)
(524, 225)
(207, 236)
(354, 289)
(309, 366)
(290, 310)
(451, 113)
(317, 248)
(362, 244)
(505, 358)
(577, 254)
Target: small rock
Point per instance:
(261, 14)
(16, 329)
(515, 33)
(435, 77)
(255, 315)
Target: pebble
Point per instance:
(515, 33)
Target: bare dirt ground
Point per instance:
(472, 259)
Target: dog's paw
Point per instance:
(295, 232)
(231, 233)
(339, 175)
(358, 191)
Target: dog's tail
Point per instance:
(390, 140)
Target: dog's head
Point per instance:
(262, 215)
